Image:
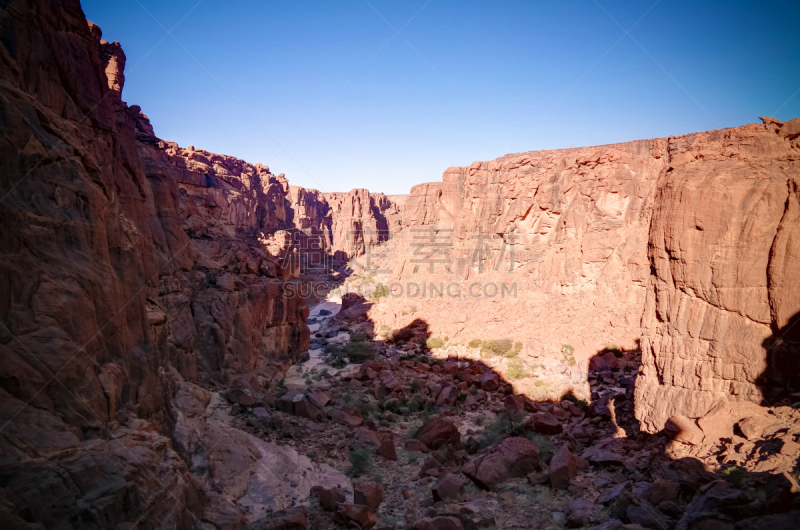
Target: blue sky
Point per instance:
(322, 91)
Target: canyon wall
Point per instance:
(684, 246)
(342, 225)
(136, 277)
(724, 245)
(545, 248)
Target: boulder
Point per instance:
(387, 449)
(662, 491)
(514, 403)
(367, 437)
(490, 382)
(790, 129)
(317, 398)
(643, 513)
(368, 493)
(688, 473)
(715, 502)
(260, 412)
(448, 488)
(546, 423)
(346, 415)
(563, 468)
(579, 513)
(437, 432)
(302, 403)
(784, 521)
(237, 395)
(511, 458)
(448, 396)
(753, 427)
(684, 430)
(329, 498)
(416, 445)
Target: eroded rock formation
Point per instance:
(688, 244)
(131, 271)
(724, 247)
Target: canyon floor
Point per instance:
(432, 440)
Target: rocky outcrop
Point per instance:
(684, 246)
(342, 225)
(547, 248)
(361, 221)
(129, 267)
(724, 246)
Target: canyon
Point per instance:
(157, 374)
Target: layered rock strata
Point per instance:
(131, 271)
(684, 246)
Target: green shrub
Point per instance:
(392, 406)
(518, 346)
(416, 385)
(358, 337)
(612, 348)
(434, 342)
(360, 460)
(734, 476)
(414, 405)
(412, 456)
(474, 343)
(366, 409)
(506, 423)
(497, 347)
(358, 352)
(379, 292)
(446, 338)
(567, 356)
(517, 370)
(333, 355)
(546, 446)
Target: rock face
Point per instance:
(724, 247)
(362, 220)
(546, 248)
(343, 225)
(685, 247)
(128, 268)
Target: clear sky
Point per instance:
(328, 93)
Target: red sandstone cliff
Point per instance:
(131, 271)
(686, 244)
